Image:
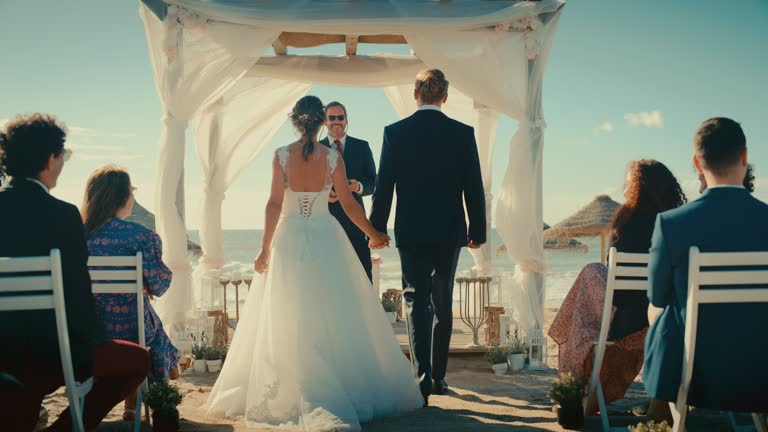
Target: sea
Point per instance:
(242, 246)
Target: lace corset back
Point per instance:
(303, 203)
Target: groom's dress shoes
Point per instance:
(440, 387)
(425, 385)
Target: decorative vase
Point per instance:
(165, 422)
(213, 365)
(199, 365)
(570, 415)
(516, 361)
(499, 368)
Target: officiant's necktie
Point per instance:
(337, 144)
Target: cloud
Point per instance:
(652, 119)
(604, 128)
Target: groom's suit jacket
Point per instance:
(731, 349)
(431, 161)
(32, 222)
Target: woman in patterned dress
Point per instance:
(650, 189)
(108, 202)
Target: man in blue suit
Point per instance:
(728, 370)
(361, 172)
(431, 161)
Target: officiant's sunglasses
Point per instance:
(337, 117)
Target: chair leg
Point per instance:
(137, 420)
(601, 406)
(678, 416)
(759, 420)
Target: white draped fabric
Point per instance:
(207, 57)
(194, 61)
(230, 133)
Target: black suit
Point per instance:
(360, 166)
(431, 161)
(33, 222)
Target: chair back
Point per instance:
(35, 283)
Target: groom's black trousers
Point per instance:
(430, 272)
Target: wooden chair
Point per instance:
(123, 275)
(44, 292)
(716, 275)
(626, 272)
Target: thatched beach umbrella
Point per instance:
(592, 220)
(561, 243)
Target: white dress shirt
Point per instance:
(45, 188)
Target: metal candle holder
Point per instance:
(475, 289)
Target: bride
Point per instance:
(314, 349)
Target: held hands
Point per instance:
(261, 263)
(354, 186)
(379, 241)
(473, 245)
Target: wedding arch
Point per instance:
(224, 66)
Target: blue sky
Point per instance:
(625, 80)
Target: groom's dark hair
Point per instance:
(719, 143)
(432, 85)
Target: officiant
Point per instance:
(361, 172)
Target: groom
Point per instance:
(361, 172)
(431, 161)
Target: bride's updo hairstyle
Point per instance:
(308, 116)
(431, 85)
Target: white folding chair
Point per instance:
(621, 266)
(26, 289)
(696, 297)
(123, 275)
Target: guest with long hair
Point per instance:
(650, 189)
(108, 202)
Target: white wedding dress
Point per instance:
(313, 350)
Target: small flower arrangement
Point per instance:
(496, 354)
(567, 388)
(389, 304)
(651, 426)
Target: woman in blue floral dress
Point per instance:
(108, 202)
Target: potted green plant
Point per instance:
(496, 356)
(651, 426)
(568, 392)
(163, 399)
(213, 356)
(390, 307)
(199, 350)
(516, 349)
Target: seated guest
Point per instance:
(726, 218)
(650, 189)
(108, 202)
(32, 155)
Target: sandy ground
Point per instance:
(478, 401)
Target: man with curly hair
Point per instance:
(32, 222)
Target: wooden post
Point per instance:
(602, 247)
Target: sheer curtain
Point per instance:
(193, 61)
(229, 134)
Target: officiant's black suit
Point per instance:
(431, 161)
(358, 160)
